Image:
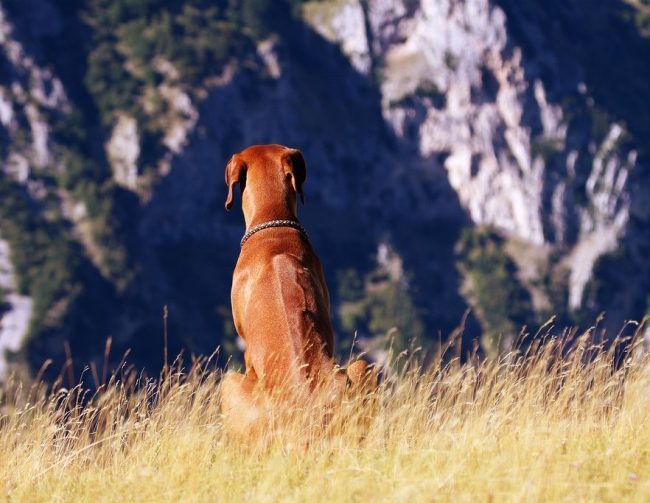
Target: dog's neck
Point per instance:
(261, 213)
(261, 219)
(266, 198)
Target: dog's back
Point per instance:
(281, 308)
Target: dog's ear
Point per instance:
(294, 167)
(235, 173)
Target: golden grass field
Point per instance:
(546, 424)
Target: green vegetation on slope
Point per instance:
(378, 304)
(106, 207)
(133, 41)
(44, 257)
(502, 305)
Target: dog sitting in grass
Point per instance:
(280, 302)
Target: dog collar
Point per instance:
(273, 223)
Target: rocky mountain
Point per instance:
(461, 153)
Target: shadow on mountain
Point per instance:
(602, 46)
(599, 45)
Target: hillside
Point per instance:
(461, 153)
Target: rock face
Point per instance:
(16, 313)
(28, 95)
(416, 119)
(123, 150)
(344, 22)
(456, 87)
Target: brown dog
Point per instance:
(280, 301)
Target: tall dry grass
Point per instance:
(550, 423)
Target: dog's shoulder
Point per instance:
(295, 280)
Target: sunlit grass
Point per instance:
(549, 423)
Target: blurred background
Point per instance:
(483, 154)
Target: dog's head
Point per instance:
(268, 175)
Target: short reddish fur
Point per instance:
(280, 301)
